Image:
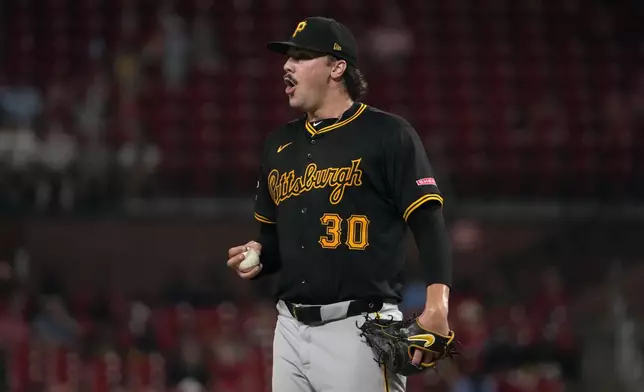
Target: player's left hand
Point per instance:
(422, 356)
(398, 345)
(437, 324)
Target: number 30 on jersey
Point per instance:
(356, 236)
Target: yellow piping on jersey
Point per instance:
(331, 127)
(420, 201)
(384, 372)
(263, 219)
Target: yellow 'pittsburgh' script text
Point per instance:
(285, 185)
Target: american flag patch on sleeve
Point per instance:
(426, 181)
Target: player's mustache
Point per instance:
(289, 79)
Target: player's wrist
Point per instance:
(436, 304)
(435, 321)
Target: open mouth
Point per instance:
(290, 84)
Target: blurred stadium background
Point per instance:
(129, 141)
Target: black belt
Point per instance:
(312, 314)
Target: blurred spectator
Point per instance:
(142, 335)
(550, 309)
(7, 280)
(93, 170)
(463, 383)
(237, 362)
(390, 42)
(188, 370)
(262, 325)
(101, 327)
(91, 108)
(127, 111)
(138, 159)
(170, 46)
(529, 379)
(551, 296)
(127, 65)
(466, 235)
(127, 70)
(96, 49)
(13, 328)
(473, 333)
(21, 102)
(414, 297)
(190, 385)
(53, 325)
(206, 46)
(59, 102)
(18, 148)
(58, 151)
(521, 327)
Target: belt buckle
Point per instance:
(295, 307)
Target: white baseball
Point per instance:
(251, 259)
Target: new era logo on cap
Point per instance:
(426, 181)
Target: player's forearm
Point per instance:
(428, 226)
(270, 257)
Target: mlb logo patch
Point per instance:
(426, 181)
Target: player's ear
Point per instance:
(338, 68)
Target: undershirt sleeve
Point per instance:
(434, 251)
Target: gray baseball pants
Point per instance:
(329, 356)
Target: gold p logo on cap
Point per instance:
(300, 27)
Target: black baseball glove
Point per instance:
(394, 343)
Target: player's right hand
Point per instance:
(236, 255)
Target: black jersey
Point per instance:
(340, 191)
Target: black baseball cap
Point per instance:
(322, 35)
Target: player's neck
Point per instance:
(333, 107)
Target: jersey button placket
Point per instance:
(309, 156)
(303, 211)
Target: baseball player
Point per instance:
(337, 190)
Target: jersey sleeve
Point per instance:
(410, 175)
(265, 209)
